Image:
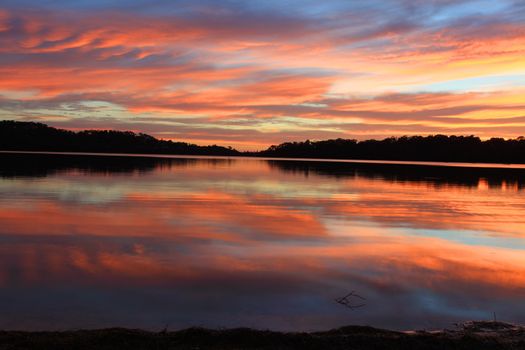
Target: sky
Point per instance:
(250, 74)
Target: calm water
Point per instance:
(88, 242)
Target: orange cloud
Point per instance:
(294, 79)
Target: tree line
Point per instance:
(30, 136)
(440, 148)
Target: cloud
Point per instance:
(336, 64)
(211, 253)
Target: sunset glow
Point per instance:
(249, 242)
(255, 73)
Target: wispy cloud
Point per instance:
(384, 68)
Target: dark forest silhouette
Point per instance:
(29, 136)
(439, 148)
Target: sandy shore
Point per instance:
(471, 335)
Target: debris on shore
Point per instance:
(477, 335)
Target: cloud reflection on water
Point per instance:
(249, 243)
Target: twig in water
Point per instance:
(347, 300)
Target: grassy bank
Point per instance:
(473, 335)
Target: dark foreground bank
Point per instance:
(472, 335)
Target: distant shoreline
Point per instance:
(328, 160)
(433, 150)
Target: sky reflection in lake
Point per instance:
(88, 242)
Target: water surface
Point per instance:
(94, 241)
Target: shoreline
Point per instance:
(419, 163)
(470, 335)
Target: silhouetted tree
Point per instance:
(28, 136)
(416, 148)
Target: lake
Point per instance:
(145, 242)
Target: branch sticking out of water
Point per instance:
(349, 300)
